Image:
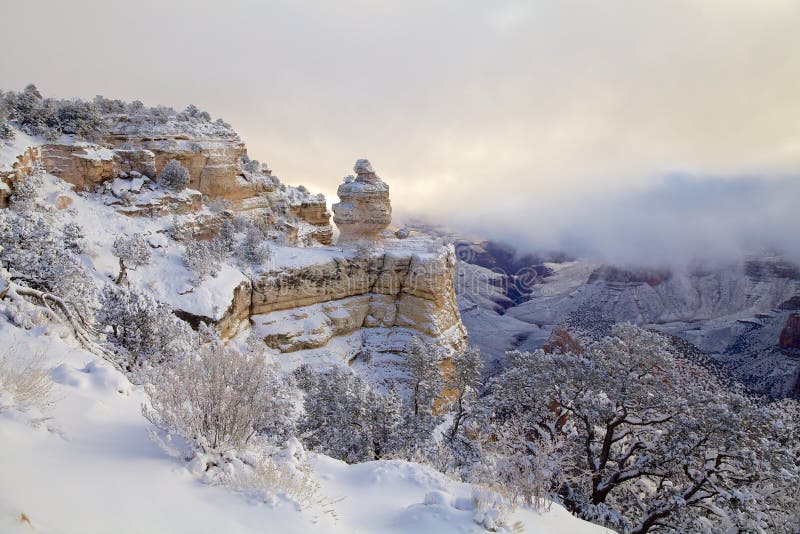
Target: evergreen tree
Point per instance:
(173, 177)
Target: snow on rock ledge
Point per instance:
(406, 284)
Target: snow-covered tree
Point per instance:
(141, 328)
(26, 190)
(73, 237)
(422, 365)
(173, 177)
(462, 384)
(201, 258)
(654, 442)
(6, 131)
(254, 248)
(36, 256)
(132, 251)
(216, 400)
(82, 119)
(226, 238)
(345, 417)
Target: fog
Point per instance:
(628, 130)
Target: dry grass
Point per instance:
(297, 483)
(24, 378)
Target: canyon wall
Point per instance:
(395, 287)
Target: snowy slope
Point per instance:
(91, 468)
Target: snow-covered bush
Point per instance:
(37, 257)
(215, 401)
(24, 381)
(201, 258)
(26, 190)
(422, 365)
(6, 131)
(492, 507)
(345, 417)
(173, 177)
(73, 237)
(265, 474)
(651, 441)
(132, 251)
(462, 384)
(177, 230)
(141, 328)
(50, 117)
(82, 119)
(226, 237)
(254, 248)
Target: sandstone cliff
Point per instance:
(407, 285)
(373, 293)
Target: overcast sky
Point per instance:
(538, 120)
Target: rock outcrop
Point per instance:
(789, 339)
(364, 209)
(218, 166)
(401, 288)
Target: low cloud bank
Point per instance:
(677, 221)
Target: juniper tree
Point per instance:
(345, 417)
(132, 251)
(422, 366)
(462, 383)
(652, 441)
(173, 177)
(201, 258)
(141, 328)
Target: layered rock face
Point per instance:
(364, 209)
(218, 166)
(411, 292)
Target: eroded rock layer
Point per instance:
(392, 288)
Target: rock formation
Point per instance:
(406, 289)
(364, 209)
(218, 166)
(789, 339)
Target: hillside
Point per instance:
(112, 275)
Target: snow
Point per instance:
(10, 150)
(95, 152)
(165, 277)
(91, 468)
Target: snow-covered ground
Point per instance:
(91, 468)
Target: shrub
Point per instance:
(215, 401)
(173, 177)
(24, 382)
(346, 418)
(142, 328)
(201, 258)
(254, 249)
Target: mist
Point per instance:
(624, 130)
(676, 222)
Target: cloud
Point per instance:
(493, 112)
(677, 221)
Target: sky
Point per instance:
(582, 125)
